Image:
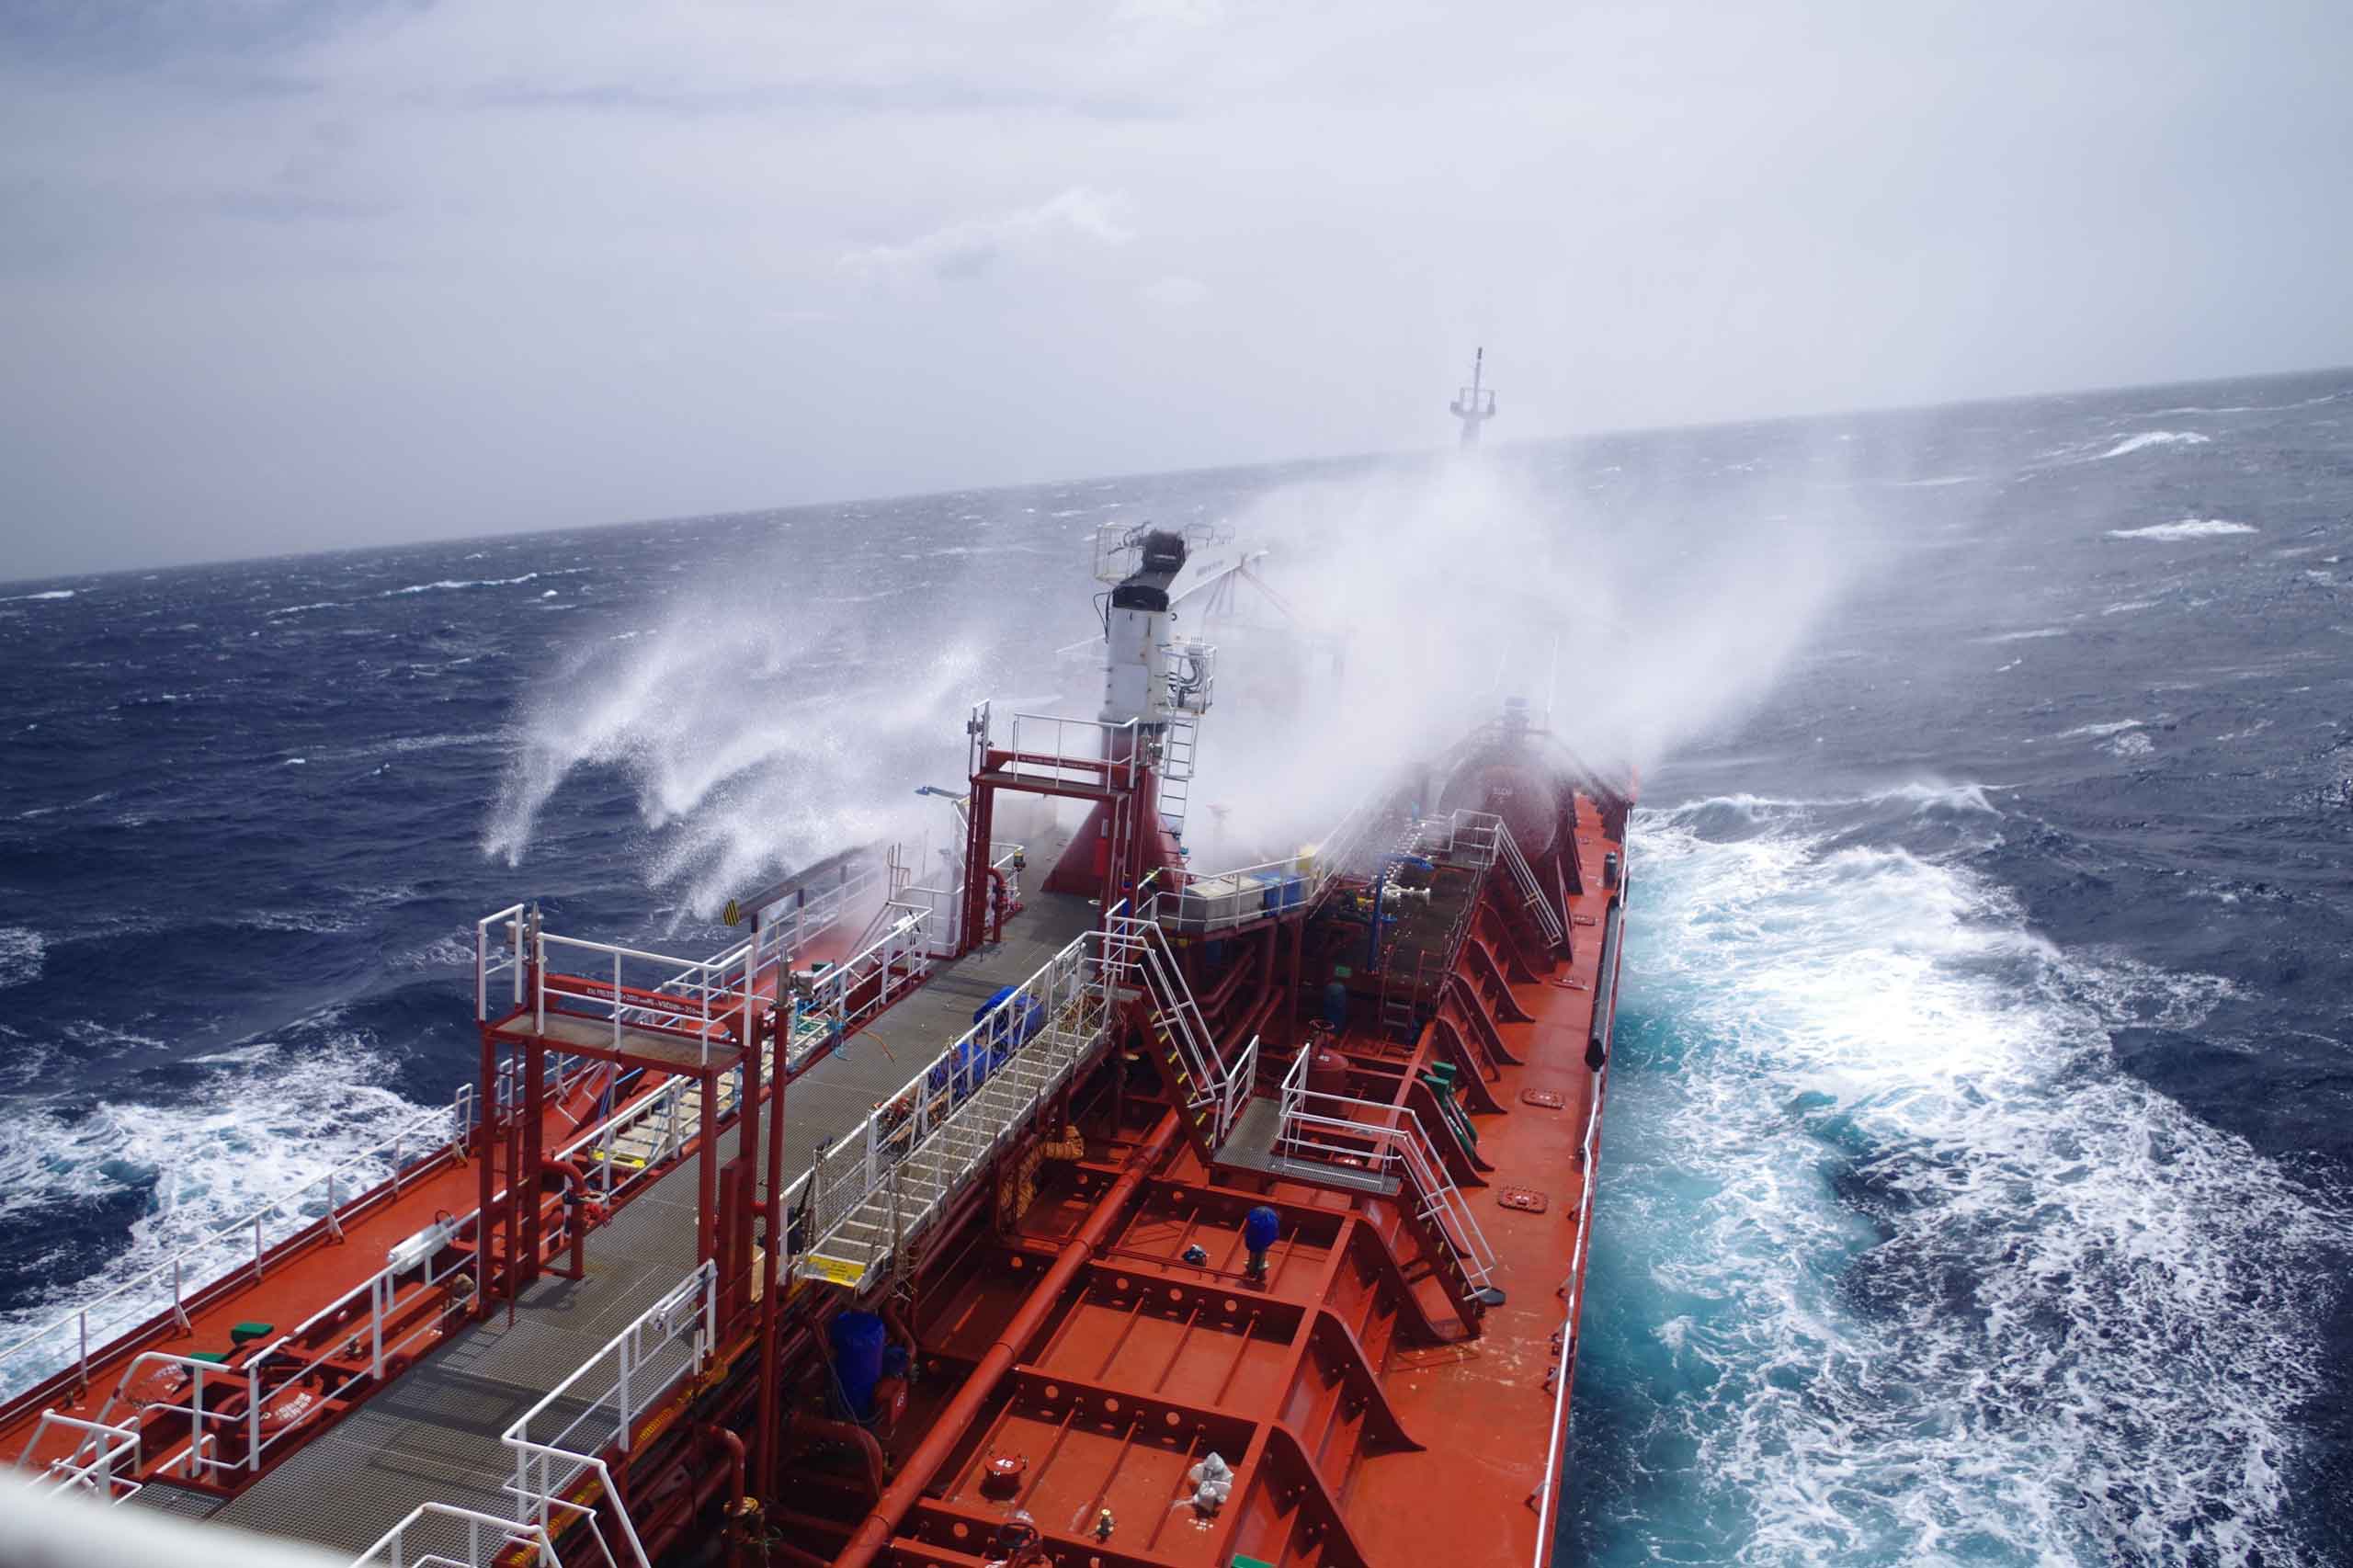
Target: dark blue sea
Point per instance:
(1975, 1187)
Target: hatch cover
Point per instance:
(1543, 1098)
(1527, 1199)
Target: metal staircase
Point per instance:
(1531, 891)
(1211, 1093)
(1352, 1142)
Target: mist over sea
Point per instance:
(1975, 1187)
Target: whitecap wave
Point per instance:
(1921, 795)
(261, 1125)
(29, 598)
(22, 952)
(447, 584)
(2155, 439)
(1948, 1284)
(2189, 528)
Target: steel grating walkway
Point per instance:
(433, 1435)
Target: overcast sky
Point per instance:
(282, 276)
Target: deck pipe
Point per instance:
(957, 1422)
(861, 1441)
(1000, 903)
(735, 1466)
(778, 1236)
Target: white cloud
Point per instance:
(1078, 216)
(1174, 293)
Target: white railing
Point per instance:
(706, 1007)
(1531, 892)
(437, 1534)
(800, 917)
(1025, 1046)
(103, 1462)
(1049, 746)
(943, 908)
(830, 1005)
(1241, 1083)
(1366, 1138)
(230, 1247)
(276, 1390)
(1139, 949)
(638, 1367)
(1549, 1489)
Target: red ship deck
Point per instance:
(1394, 1390)
(1322, 1388)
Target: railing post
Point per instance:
(620, 1392)
(257, 1246)
(617, 1005)
(335, 1224)
(377, 1291)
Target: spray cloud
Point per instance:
(1440, 590)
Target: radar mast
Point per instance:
(1473, 405)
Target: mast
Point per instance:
(1473, 405)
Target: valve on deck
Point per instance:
(1258, 1232)
(1001, 1478)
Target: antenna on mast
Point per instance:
(1473, 405)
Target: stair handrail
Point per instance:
(1398, 1139)
(1507, 848)
(1143, 949)
(856, 1165)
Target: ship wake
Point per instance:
(1896, 1263)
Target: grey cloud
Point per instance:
(576, 260)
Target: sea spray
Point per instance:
(1426, 594)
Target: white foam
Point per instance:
(2113, 727)
(29, 598)
(2189, 528)
(21, 954)
(448, 583)
(2061, 1320)
(267, 1121)
(2036, 635)
(2155, 439)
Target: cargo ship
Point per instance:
(1072, 1204)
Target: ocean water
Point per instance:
(1974, 1188)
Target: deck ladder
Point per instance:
(1178, 747)
(1212, 1092)
(1531, 892)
